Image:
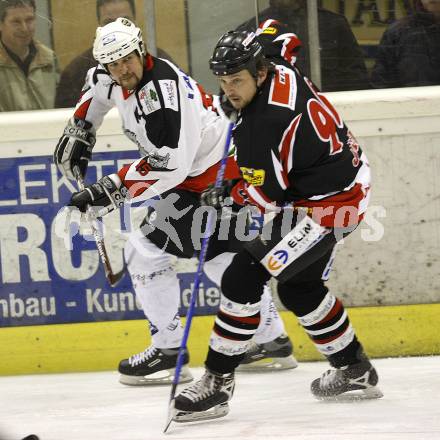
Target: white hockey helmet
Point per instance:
(116, 40)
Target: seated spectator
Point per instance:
(74, 75)
(409, 51)
(342, 59)
(28, 69)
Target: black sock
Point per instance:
(221, 363)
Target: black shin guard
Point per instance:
(244, 280)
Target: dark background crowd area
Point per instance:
(399, 46)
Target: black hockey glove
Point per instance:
(75, 147)
(216, 197)
(103, 196)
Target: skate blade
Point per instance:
(268, 364)
(163, 377)
(210, 414)
(355, 395)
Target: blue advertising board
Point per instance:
(42, 281)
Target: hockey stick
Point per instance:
(190, 311)
(112, 278)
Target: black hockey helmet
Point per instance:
(235, 51)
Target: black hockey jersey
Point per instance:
(294, 149)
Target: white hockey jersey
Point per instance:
(169, 117)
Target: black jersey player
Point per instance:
(302, 166)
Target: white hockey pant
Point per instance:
(157, 289)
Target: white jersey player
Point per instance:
(180, 136)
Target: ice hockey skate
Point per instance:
(206, 399)
(271, 356)
(352, 382)
(153, 366)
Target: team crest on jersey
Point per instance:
(153, 162)
(252, 176)
(148, 98)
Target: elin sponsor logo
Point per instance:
(300, 235)
(277, 260)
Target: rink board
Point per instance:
(384, 331)
(50, 271)
(57, 312)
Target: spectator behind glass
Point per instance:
(409, 51)
(74, 75)
(342, 59)
(28, 69)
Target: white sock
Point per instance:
(271, 324)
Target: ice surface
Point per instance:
(94, 406)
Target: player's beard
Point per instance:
(129, 82)
(239, 102)
(236, 101)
